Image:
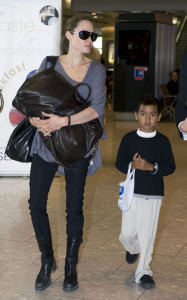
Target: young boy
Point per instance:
(152, 158)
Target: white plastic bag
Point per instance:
(126, 190)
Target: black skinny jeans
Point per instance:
(41, 177)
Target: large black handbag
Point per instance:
(50, 92)
(20, 142)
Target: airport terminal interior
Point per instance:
(103, 272)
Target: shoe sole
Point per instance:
(147, 286)
(41, 289)
(69, 290)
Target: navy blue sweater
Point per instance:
(155, 149)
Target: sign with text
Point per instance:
(139, 73)
(30, 30)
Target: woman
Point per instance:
(75, 67)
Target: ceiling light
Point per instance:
(174, 20)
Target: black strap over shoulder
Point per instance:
(51, 62)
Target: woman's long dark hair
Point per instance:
(71, 24)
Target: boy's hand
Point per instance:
(141, 163)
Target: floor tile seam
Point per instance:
(160, 272)
(170, 238)
(86, 206)
(119, 266)
(112, 250)
(14, 240)
(56, 279)
(7, 240)
(181, 249)
(160, 230)
(107, 266)
(17, 291)
(139, 297)
(94, 223)
(169, 280)
(89, 228)
(25, 262)
(103, 229)
(107, 241)
(32, 240)
(165, 255)
(104, 250)
(61, 294)
(36, 261)
(99, 247)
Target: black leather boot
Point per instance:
(70, 281)
(43, 279)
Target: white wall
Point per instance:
(165, 55)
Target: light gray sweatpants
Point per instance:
(138, 232)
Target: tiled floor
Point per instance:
(103, 272)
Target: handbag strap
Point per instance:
(130, 173)
(77, 86)
(51, 62)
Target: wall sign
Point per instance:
(139, 72)
(30, 30)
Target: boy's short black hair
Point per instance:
(148, 100)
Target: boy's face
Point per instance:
(147, 117)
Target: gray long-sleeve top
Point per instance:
(95, 78)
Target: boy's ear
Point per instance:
(159, 117)
(136, 115)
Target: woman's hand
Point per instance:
(55, 122)
(46, 126)
(34, 121)
(183, 126)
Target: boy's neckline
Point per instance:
(146, 134)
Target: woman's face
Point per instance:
(83, 46)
